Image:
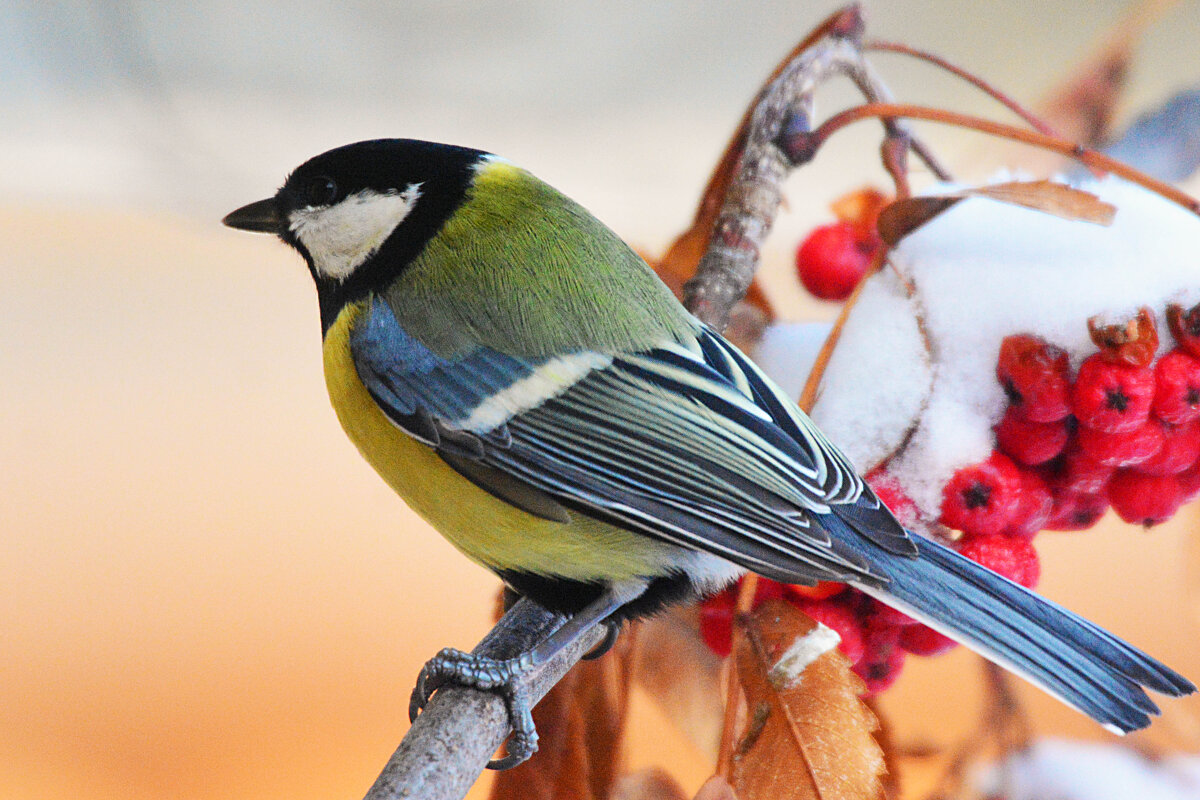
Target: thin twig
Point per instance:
(804, 145)
(1035, 122)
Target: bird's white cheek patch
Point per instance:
(341, 237)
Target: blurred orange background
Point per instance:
(207, 593)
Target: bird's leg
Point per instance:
(506, 677)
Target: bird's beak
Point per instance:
(260, 217)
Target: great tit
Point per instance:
(526, 383)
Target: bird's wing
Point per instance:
(690, 445)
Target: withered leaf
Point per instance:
(580, 724)
(902, 217)
(809, 734)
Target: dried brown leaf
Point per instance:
(907, 214)
(1050, 197)
(891, 753)
(580, 724)
(809, 734)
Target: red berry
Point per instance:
(1034, 507)
(716, 624)
(881, 664)
(716, 612)
(834, 258)
(1181, 448)
(882, 615)
(922, 640)
(1185, 327)
(820, 591)
(1030, 442)
(838, 616)
(982, 498)
(1112, 397)
(1079, 472)
(1035, 376)
(1075, 511)
(1133, 342)
(1177, 388)
(764, 590)
(1122, 449)
(1012, 557)
(888, 489)
(1189, 483)
(1145, 500)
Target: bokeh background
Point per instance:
(205, 593)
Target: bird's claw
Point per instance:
(523, 742)
(612, 630)
(453, 667)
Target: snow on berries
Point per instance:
(1006, 372)
(1069, 349)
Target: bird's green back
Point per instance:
(523, 269)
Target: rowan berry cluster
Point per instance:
(1122, 431)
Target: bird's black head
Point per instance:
(360, 213)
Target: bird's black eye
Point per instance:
(320, 191)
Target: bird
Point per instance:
(523, 380)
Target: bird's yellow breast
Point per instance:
(485, 528)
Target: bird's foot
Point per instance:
(453, 667)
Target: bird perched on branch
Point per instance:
(524, 381)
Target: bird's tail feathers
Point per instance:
(1062, 653)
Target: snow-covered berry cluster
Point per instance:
(996, 379)
(1124, 431)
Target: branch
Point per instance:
(784, 112)
(449, 745)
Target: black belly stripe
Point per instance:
(569, 597)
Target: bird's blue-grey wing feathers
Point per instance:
(679, 442)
